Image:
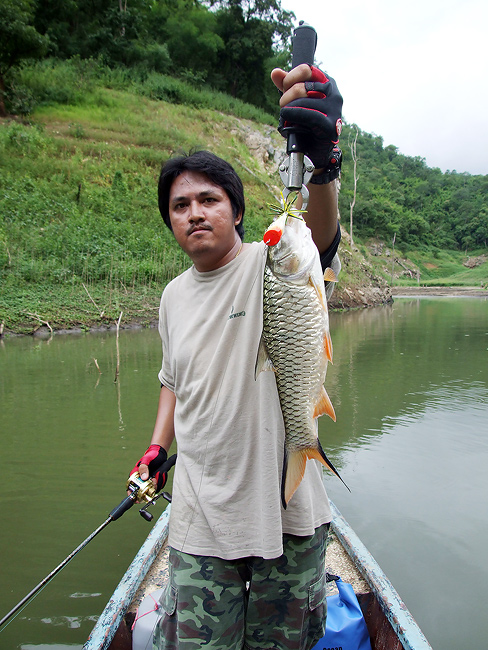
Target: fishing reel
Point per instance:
(144, 491)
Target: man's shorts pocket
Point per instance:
(317, 592)
(169, 598)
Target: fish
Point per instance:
(296, 342)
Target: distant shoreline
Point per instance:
(452, 292)
(151, 322)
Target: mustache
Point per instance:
(198, 227)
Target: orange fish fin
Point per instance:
(324, 406)
(319, 291)
(329, 275)
(328, 346)
(263, 362)
(319, 454)
(293, 471)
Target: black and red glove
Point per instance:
(316, 119)
(156, 458)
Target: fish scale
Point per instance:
(295, 341)
(295, 347)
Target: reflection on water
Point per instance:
(409, 385)
(412, 443)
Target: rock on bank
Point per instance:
(359, 285)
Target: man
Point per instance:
(244, 572)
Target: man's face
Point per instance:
(201, 217)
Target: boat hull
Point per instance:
(390, 624)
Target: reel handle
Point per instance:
(298, 168)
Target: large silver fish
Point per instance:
(296, 342)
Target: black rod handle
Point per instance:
(123, 506)
(304, 44)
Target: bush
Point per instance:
(76, 80)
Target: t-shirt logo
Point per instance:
(237, 314)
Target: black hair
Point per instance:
(218, 171)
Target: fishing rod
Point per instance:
(296, 169)
(139, 491)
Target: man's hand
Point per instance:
(155, 464)
(312, 103)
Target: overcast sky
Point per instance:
(414, 72)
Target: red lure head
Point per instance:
(275, 231)
(272, 236)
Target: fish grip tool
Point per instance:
(139, 491)
(296, 169)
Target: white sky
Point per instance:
(414, 72)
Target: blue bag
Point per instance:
(346, 628)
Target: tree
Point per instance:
(255, 33)
(19, 39)
(353, 147)
(189, 32)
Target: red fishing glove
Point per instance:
(158, 463)
(316, 119)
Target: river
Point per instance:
(410, 388)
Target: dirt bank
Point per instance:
(470, 292)
(342, 298)
(359, 297)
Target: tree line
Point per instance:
(401, 196)
(231, 46)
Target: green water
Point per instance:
(410, 388)
(410, 384)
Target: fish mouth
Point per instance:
(275, 231)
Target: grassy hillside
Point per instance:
(426, 268)
(81, 239)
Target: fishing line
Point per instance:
(12, 617)
(22, 604)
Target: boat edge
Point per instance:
(105, 628)
(395, 610)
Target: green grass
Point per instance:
(446, 268)
(76, 305)
(78, 199)
(426, 267)
(78, 82)
(81, 238)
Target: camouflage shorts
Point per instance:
(250, 603)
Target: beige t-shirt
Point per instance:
(228, 425)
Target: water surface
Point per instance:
(410, 384)
(410, 387)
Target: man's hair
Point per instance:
(218, 171)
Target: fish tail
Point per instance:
(319, 454)
(293, 471)
(294, 468)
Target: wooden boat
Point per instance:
(390, 624)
